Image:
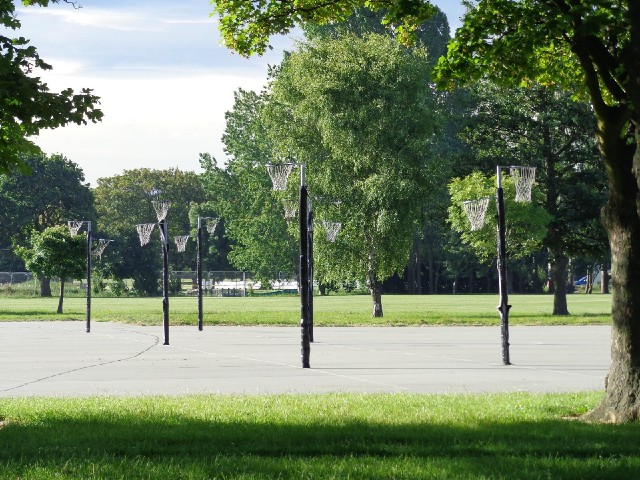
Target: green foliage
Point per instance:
(357, 112)
(26, 104)
(544, 127)
(118, 287)
(55, 253)
(246, 26)
(242, 193)
(525, 222)
(51, 193)
(125, 200)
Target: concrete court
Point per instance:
(61, 359)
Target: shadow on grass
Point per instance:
(183, 447)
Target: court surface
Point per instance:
(61, 359)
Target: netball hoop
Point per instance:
(290, 209)
(99, 250)
(476, 210)
(144, 232)
(181, 242)
(74, 227)
(279, 174)
(331, 229)
(523, 177)
(162, 208)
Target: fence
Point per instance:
(231, 283)
(214, 283)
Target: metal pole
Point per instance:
(89, 235)
(199, 269)
(165, 279)
(310, 260)
(304, 272)
(504, 306)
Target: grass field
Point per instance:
(328, 311)
(337, 436)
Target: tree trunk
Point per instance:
(45, 287)
(559, 264)
(61, 298)
(604, 279)
(588, 285)
(375, 288)
(620, 217)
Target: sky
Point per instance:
(164, 80)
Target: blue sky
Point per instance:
(164, 80)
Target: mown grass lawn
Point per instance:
(329, 311)
(356, 436)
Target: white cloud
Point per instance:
(96, 18)
(150, 122)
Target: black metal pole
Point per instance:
(504, 306)
(165, 279)
(310, 260)
(89, 235)
(199, 269)
(304, 276)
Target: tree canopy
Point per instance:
(26, 103)
(358, 112)
(52, 193)
(54, 252)
(247, 26)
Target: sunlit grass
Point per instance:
(314, 436)
(329, 311)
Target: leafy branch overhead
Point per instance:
(26, 104)
(246, 27)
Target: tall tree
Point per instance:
(54, 252)
(242, 193)
(591, 48)
(51, 193)
(26, 104)
(358, 113)
(545, 128)
(125, 200)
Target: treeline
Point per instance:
(387, 155)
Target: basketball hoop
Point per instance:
(279, 173)
(161, 207)
(144, 232)
(102, 244)
(290, 209)
(476, 210)
(181, 242)
(523, 178)
(74, 227)
(212, 223)
(331, 229)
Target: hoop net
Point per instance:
(523, 177)
(212, 223)
(279, 173)
(102, 244)
(181, 242)
(290, 209)
(161, 207)
(476, 210)
(331, 229)
(144, 232)
(74, 227)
